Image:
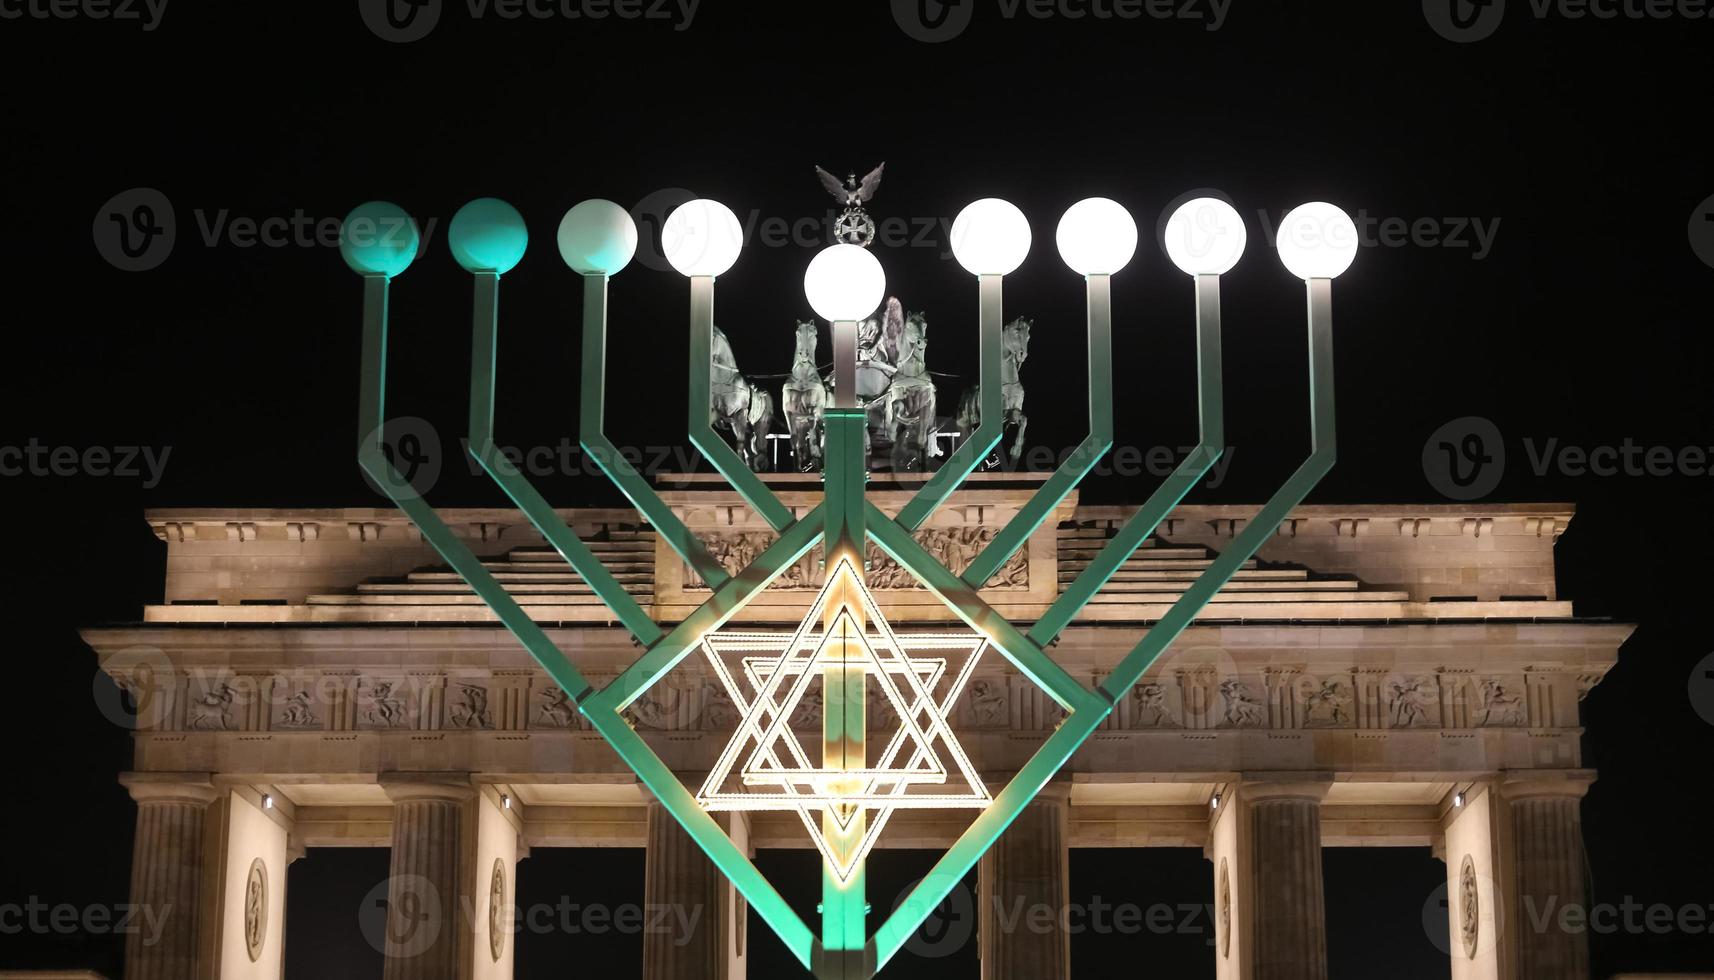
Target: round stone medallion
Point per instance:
(1469, 907)
(256, 909)
(497, 910)
(1225, 900)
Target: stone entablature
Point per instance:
(1328, 562)
(1441, 697)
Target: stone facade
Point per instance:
(1413, 666)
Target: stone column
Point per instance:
(1024, 884)
(1547, 873)
(677, 875)
(1288, 920)
(167, 873)
(423, 889)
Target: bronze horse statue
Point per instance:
(737, 406)
(1014, 350)
(911, 400)
(805, 397)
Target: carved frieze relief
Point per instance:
(954, 547)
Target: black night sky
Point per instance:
(1580, 313)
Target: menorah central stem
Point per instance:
(844, 697)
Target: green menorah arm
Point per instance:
(1083, 459)
(964, 601)
(592, 437)
(973, 451)
(656, 662)
(483, 372)
(1189, 472)
(707, 833)
(950, 870)
(1323, 451)
(371, 416)
(702, 435)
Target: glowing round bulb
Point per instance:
(844, 282)
(488, 235)
(990, 237)
(378, 239)
(1096, 237)
(1317, 241)
(1205, 237)
(597, 238)
(702, 238)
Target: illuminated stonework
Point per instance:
(766, 765)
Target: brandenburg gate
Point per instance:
(1379, 677)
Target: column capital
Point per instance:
(195, 788)
(1533, 784)
(1256, 787)
(412, 787)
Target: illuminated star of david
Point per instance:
(766, 766)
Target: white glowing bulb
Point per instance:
(1317, 241)
(990, 237)
(702, 238)
(1096, 237)
(597, 238)
(1205, 237)
(844, 282)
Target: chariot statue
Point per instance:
(744, 410)
(1014, 350)
(894, 387)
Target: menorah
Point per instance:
(844, 641)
